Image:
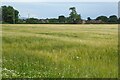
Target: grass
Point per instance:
(59, 51)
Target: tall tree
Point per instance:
(74, 17)
(9, 14)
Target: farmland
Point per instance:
(59, 51)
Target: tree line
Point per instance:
(11, 16)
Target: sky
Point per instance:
(55, 9)
(59, 0)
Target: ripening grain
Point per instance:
(60, 51)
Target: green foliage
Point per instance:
(9, 14)
(53, 20)
(119, 20)
(59, 51)
(89, 19)
(102, 18)
(0, 14)
(74, 17)
(32, 21)
(62, 19)
(113, 19)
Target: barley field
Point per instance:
(59, 51)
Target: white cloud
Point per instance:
(60, 1)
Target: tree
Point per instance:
(32, 21)
(53, 20)
(74, 17)
(119, 20)
(9, 14)
(61, 19)
(89, 19)
(0, 15)
(113, 19)
(102, 18)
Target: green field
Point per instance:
(59, 51)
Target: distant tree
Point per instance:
(102, 18)
(119, 20)
(61, 19)
(22, 21)
(67, 20)
(32, 21)
(113, 19)
(53, 20)
(9, 14)
(88, 18)
(74, 17)
(0, 15)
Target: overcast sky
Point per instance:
(54, 9)
(60, 0)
